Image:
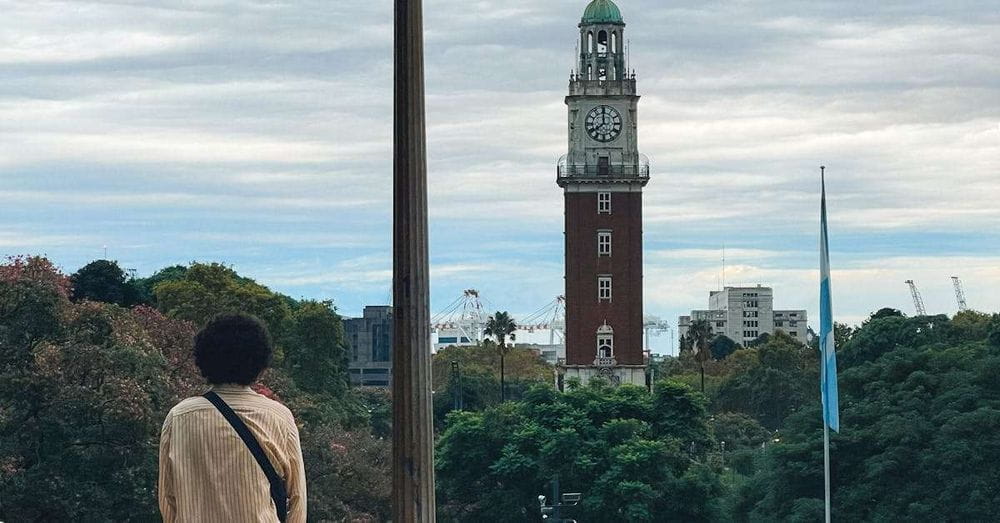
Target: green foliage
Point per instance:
(625, 449)
(348, 474)
(722, 346)
(84, 388)
(314, 353)
(920, 410)
(33, 294)
(206, 290)
(80, 418)
(771, 381)
(143, 287)
(480, 382)
(886, 312)
(100, 280)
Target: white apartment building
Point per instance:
(744, 313)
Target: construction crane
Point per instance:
(959, 294)
(918, 302)
(551, 317)
(654, 326)
(462, 321)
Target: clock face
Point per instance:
(604, 123)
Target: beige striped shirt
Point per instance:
(207, 474)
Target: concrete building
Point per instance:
(744, 313)
(552, 354)
(369, 347)
(602, 177)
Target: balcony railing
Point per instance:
(605, 362)
(605, 171)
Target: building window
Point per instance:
(779, 324)
(720, 324)
(603, 203)
(604, 289)
(604, 243)
(793, 334)
(605, 341)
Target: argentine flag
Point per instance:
(828, 356)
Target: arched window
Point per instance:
(590, 42)
(602, 42)
(590, 72)
(613, 75)
(614, 42)
(605, 342)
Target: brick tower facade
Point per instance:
(602, 177)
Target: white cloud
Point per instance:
(175, 130)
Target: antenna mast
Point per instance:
(918, 302)
(723, 266)
(959, 294)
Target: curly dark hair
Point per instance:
(233, 348)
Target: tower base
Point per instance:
(615, 375)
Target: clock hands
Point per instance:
(603, 123)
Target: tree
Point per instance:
(314, 349)
(625, 449)
(84, 388)
(722, 346)
(501, 326)
(700, 336)
(524, 368)
(144, 288)
(100, 280)
(886, 312)
(919, 400)
(82, 415)
(771, 381)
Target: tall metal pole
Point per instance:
(456, 384)
(412, 441)
(826, 466)
(823, 371)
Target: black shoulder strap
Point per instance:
(278, 492)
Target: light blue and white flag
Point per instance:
(828, 356)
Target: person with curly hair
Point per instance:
(231, 454)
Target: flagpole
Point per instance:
(823, 367)
(826, 466)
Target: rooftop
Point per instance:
(602, 12)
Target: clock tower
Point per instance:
(602, 177)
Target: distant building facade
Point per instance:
(744, 313)
(552, 354)
(369, 347)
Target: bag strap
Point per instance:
(278, 491)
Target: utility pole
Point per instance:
(412, 414)
(457, 392)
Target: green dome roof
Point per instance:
(602, 12)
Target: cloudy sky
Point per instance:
(258, 133)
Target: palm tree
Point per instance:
(501, 326)
(699, 335)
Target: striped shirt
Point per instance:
(207, 473)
